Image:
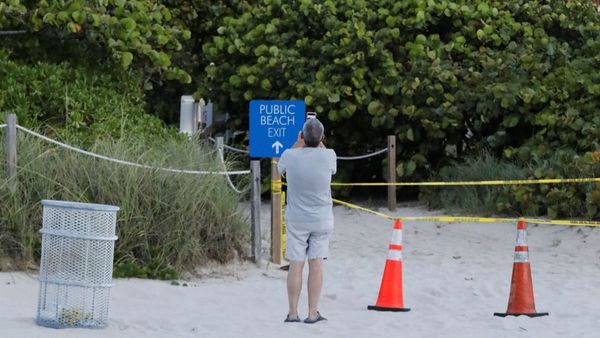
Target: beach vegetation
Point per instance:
(168, 222)
(570, 200)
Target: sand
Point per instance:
(456, 275)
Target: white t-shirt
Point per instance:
(308, 172)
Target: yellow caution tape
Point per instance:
(283, 239)
(562, 222)
(470, 219)
(276, 186)
(354, 206)
(504, 182)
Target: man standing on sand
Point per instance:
(308, 167)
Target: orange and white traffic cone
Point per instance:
(520, 301)
(390, 292)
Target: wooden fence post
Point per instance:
(11, 151)
(255, 210)
(392, 172)
(275, 213)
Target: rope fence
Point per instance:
(236, 149)
(361, 157)
(88, 153)
(233, 187)
(230, 147)
(343, 158)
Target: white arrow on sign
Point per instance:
(277, 145)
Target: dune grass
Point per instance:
(168, 222)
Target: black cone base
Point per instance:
(390, 309)
(532, 315)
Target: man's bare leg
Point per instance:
(315, 284)
(294, 286)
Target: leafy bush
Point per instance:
(79, 104)
(168, 222)
(135, 33)
(447, 77)
(558, 200)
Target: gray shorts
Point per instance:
(302, 242)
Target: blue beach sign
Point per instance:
(274, 126)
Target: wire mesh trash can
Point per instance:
(76, 267)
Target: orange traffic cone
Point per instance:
(520, 301)
(390, 292)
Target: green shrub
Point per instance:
(168, 222)
(572, 200)
(519, 75)
(142, 34)
(75, 103)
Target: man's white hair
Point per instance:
(313, 131)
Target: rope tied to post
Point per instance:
(89, 153)
(342, 158)
(361, 157)
(237, 150)
(233, 187)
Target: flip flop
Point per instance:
(291, 320)
(318, 319)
